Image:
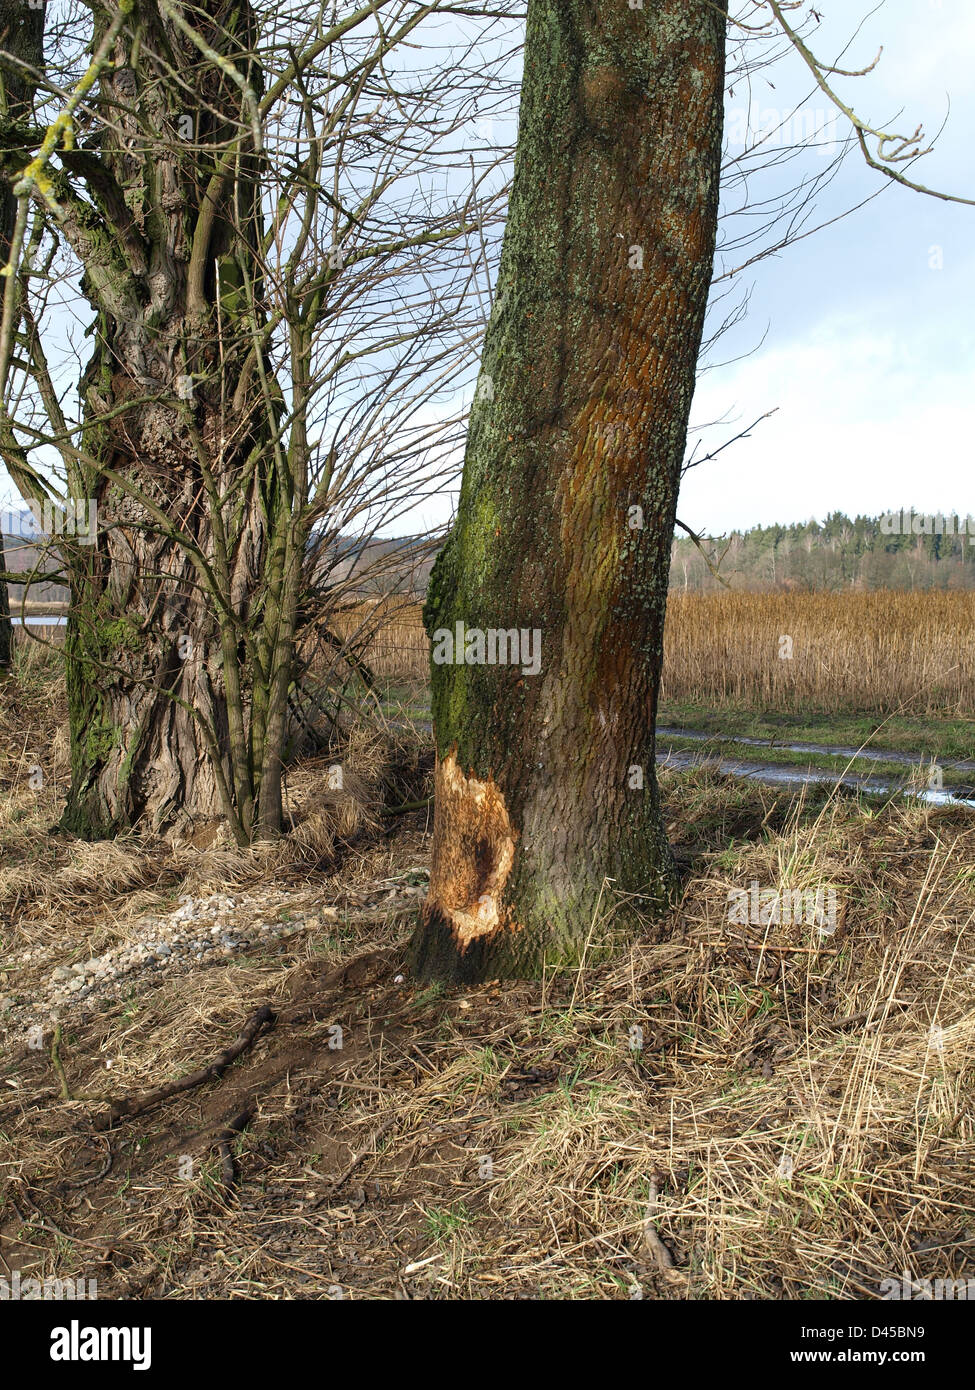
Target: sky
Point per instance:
(861, 338)
(868, 354)
(859, 343)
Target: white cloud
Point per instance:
(863, 425)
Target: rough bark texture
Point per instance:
(6, 633)
(173, 408)
(22, 36)
(581, 415)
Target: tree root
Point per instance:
(224, 1139)
(128, 1106)
(103, 1171)
(659, 1251)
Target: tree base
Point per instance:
(509, 953)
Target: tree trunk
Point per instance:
(176, 439)
(147, 664)
(6, 631)
(546, 799)
(22, 36)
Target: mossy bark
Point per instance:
(6, 632)
(161, 677)
(577, 435)
(22, 36)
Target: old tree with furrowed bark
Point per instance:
(240, 195)
(149, 178)
(170, 269)
(545, 786)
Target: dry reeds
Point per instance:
(871, 652)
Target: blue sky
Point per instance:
(869, 355)
(867, 343)
(867, 349)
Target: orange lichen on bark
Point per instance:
(474, 850)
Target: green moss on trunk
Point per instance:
(588, 373)
(178, 594)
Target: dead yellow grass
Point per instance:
(798, 1119)
(873, 652)
(869, 652)
(721, 1111)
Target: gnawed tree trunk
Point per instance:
(165, 724)
(545, 782)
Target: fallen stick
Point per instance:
(234, 1127)
(368, 1151)
(767, 946)
(127, 1106)
(651, 1238)
(58, 1065)
(49, 1225)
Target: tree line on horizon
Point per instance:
(840, 552)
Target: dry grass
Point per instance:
(805, 1116)
(798, 1122)
(870, 652)
(873, 652)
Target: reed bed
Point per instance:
(388, 634)
(875, 652)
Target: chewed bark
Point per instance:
(591, 353)
(473, 856)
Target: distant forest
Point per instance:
(838, 553)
